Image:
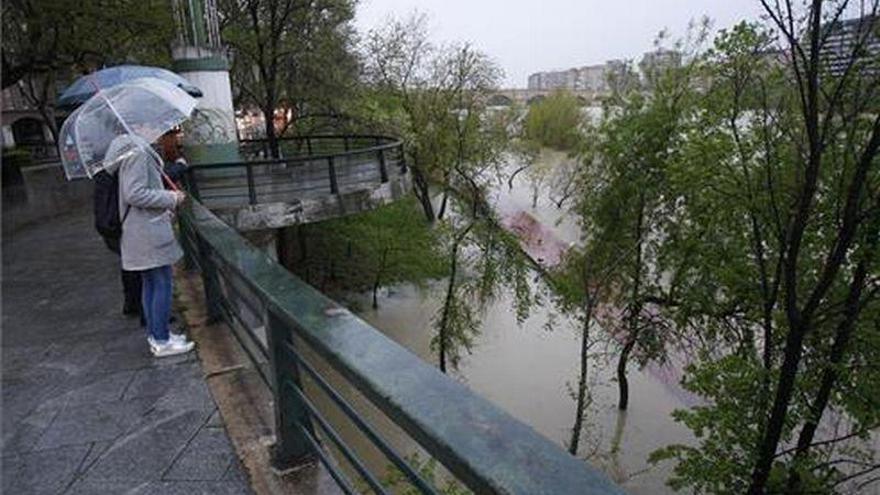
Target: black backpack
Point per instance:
(107, 221)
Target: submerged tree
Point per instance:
(625, 208)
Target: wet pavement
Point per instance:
(85, 407)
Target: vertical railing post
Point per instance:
(188, 236)
(309, 144)
(190, 182)
(334, 187)
(252, 191)
(291, 448)
(383, 170)
(401, 157)
(345, 143)
(210, 281)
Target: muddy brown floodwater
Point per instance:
(530, 370)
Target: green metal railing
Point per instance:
(308, 167)
(273, 314)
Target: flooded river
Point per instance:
(530, 370)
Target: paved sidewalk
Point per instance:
(85, 408)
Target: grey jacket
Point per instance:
(147, 234)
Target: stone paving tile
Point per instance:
(151, 382)
(158, 488)
(207, 457)
(104, 387)
(93, 422)
(85, 406)
(147, 451)
(215, 420)
(45, 471)
(24, 435)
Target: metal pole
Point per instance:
(383, 171)
(334, 187)
(252, 191)
(291, 447)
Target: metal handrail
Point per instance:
(383, 149)
(484, 447)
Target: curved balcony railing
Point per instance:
(322, 176)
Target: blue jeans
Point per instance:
(156, 294)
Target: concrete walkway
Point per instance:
(85, 408)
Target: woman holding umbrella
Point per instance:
(112, 132)
(148, 244)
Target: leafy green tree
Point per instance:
(388, 245)
(554, 122)
(393, 245)
(290, 55)
(47, 40)
(580, 285)
(625, 209)
(435, 98)
(771, 258)
(401, 98)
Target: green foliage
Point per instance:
(385, 246)
(397, 481)
(71, 36)
(731, 176)
(554, 122)
(727, 428)
(434, 98)
(484, 260)
(291, 54)
(47, 43)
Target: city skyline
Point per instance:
(559, 34)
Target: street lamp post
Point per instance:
(209, 137)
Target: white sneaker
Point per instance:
(171, 348)
(172, 337)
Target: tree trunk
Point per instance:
(582, 385)
(829, 376)
(420, 185)
(622, 383)
(443, 205)
(450, 296)
(635, 311)
(271, 137)
(799, 323)
(767, 448)
(375, 292)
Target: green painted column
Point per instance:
(210, 135)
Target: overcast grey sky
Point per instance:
(530, 36)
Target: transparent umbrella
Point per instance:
(85, 87)
(128, 116)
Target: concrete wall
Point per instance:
(45, 193)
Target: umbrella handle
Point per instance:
(170, 183)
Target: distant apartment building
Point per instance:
(844, 37)
(564, 79)
(657, 61)
(587, 78)
(612, 76)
